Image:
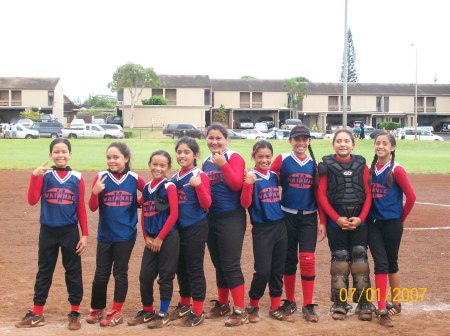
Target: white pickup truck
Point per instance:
(85, 131)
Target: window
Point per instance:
(244, 99)
(171, 96)
(120, 95)
(431, 104)
(420, 105)
(207, 99)
(157, 92)
(349, 103)
(378, 104)
(333, 103)
(51, 95)
(386, 104)
(257, 99)
(16, 98)
(4, 97)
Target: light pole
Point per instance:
(415, 97)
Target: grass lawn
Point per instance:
(89, 154)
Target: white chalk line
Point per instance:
(429, 228)
(435, 204)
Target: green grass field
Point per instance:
(89, 154)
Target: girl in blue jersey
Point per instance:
(114, 193)
(299, 179)
(261, 196)
(194, 199)
(61, 191)
(162, 242)
(386, 218)
(227, 223)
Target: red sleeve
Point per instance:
(93, 200)
(402, 179)
(322, 199)
(204, 192)
(322, 216)
(35, 189)
(81, 210)
(141, 183)
(367, 190)
(276, 164)
(143, 225)
(233, 172)
(246, 195)
(172, 195)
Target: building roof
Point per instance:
(268, 85)
(183, 81)
(29, 83)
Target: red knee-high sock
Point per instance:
(254, 303)
(275, 302)
(74, 308)
(381, 285)
(223, 294)
(197, 307)
(38, 310)
(289, 286)
(117, 306)
(238, 294)
(148, 308)
(307, 262)
(185, 301)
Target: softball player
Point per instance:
(61, 191)
(345, 196)
(261, 196)
(227, 223)
(162, 242)
(386, 218)
(298, 177)
(194, 199)
(114, 194)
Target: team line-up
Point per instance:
(355, 205)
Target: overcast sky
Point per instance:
(83, 42)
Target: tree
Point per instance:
(247, 77)
(296, 88)
(100, 101)
(352, 72)
(220, 116)
(134, 77)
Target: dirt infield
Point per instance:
(424, 263)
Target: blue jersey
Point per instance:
(387, 202)
(189, 210)
(224, 199)
(154, 219)
(265, 205)
(118, 208)
(59, 201)
(296, 178)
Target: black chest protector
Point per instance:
(345, 180)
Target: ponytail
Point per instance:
(316, 170)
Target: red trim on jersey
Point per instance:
(233, 172)
(402, 179)
(35, 189)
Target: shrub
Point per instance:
(389, 125)
(154, 100)
(27, 114)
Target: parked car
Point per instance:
(443, 126)
(48, 129)
(262, 126)
(291, 123)
(281, 134)
(77, 123)
(268, 121)
(98, 121)
(20, 132)
(116, 131)
(253, 134)
(245, 123)
(47, 117)
(316, 135)
(409, 133)
(234, 135)
(118, 120)
(25, 122)
(179, 130)
(86, 131)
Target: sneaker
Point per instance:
(289, 307)
(219, 310)
(112, 318)
(190, 319)
(178, 312)
(339, 310)
(31, 320)
(142, 316)
(309, 313)
(364, 311)
(253, 314)
(95, 316)
(74, 320)
(160, 321)
(393, 308)
(384, 318)
(237, 318)
(281, 314)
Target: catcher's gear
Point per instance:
(339, 270)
